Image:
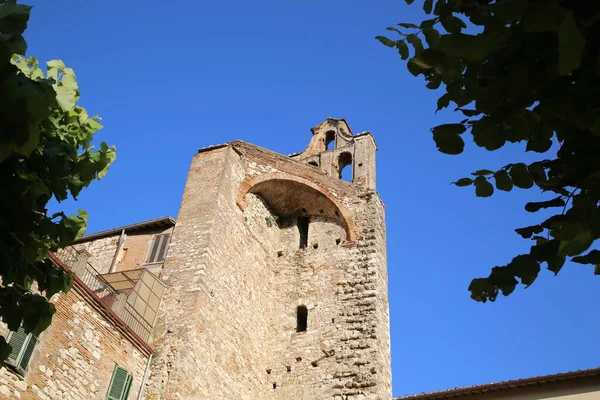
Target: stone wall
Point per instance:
(75, 357)
(235, 276)
(344, 354)
(102, 252)
(213, 327)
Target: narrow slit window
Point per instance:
(303, 230)
(301, 319)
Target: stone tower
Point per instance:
(276, 281)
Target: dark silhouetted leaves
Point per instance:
(538, 205)
(520, 176)
(482, 187)
(447, 138)
(463, 182)
(386, 41)
(402, 49)
(527, 232)
(503, 181)
(526, 268)
(428, 6)
(443, 101)
(417, 44)
(452, 24)
(570, 45)
(545, 250)
(577, 245)
(408, 25)
(593, 257)
(527, 74)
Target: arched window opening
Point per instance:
(313, 163)
(345, 166)
(329, 140)
(301, 319)
(303, 230)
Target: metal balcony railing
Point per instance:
(135, 310)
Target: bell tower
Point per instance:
(276, 276)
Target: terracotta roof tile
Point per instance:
(502, 386)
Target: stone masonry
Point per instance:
(240, 264)
(76, 355)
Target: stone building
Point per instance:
(271, 284)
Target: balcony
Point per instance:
(133, 295)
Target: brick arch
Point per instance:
(252, 183)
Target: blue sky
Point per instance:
(171, 77)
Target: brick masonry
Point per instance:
(75, 357)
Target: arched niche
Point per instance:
(289, 195)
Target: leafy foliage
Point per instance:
(520, 71)
(45, 153)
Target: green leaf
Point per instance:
(488, 133)
(509, 11)
(428, 6)
(452, 24)
(482, 172)
(571, 44)
(58, 64)
(414, 68)
(432, 36)
(463, 182)
(566, 230)
(520, 176)
(578, 245)
(528, 231)
(593, 257)
(409, 1)
(555, 264)
(545, 250)
(526, 268)
(538, 205)
(470, 47)
(443, 101)
(386, 41)
(13, 17)
(482, 187)
(65, 97)
(503, 181)
(447, 138)
(402, 49)
(417, 44)
(543, 16)
(407, 25)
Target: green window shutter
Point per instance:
(22, 349)
(17, 341)
(27, 352)
(119, 384)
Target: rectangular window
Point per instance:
(120, 382)
(22, 349)
(158, 249)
